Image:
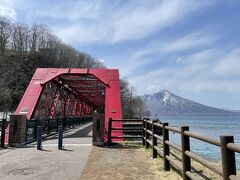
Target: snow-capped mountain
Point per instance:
(166, 103)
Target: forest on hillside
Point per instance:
(23, 48)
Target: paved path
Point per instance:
(50, 163)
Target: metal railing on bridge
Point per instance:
(50, 126)
(161, 145)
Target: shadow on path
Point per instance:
(74, 133)
(81, 133)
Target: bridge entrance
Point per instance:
(70, 96)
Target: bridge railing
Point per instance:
(50, 126)
(161, 145)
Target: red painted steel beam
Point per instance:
(75, 102)
(53, 106)
(109, 77)
(72, 89)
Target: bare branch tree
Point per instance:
(5, 33)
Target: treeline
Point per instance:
(24, 48)
(132, 105)
(22, 40)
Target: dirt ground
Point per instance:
(125, 162)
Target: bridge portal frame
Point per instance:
(109, 77)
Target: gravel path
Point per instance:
(123, 163)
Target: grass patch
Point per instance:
(127, 144)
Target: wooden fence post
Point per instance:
(143, 132)
(228, 157)
(154, 139)
(109, 131)
(186, 161)
(165, 147)
(146, 134)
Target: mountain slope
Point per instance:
(166, 103)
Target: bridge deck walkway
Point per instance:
(28, 163)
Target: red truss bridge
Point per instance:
(72, 93)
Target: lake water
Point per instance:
(209, 126)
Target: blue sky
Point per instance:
(190, 47)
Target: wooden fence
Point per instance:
(151, 139)
(132, 128)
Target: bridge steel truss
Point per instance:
(71, 92)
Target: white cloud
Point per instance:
(193, 40)
(196, 70)
(229, 64)
(208, 70)
(153, 52)
(144, 20)
(187, 42)
(101, 22)
(69, 11)
(80, 34)
(6, 9)
(205, 55)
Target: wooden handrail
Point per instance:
(173, 129)
(149, 132)
(233, 177)
(158, 125)
(233, 147)
(175, 146)
(204, 162)
(202, 138)
(158, 137)
(175, 162)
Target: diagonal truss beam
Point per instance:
(53, 106)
